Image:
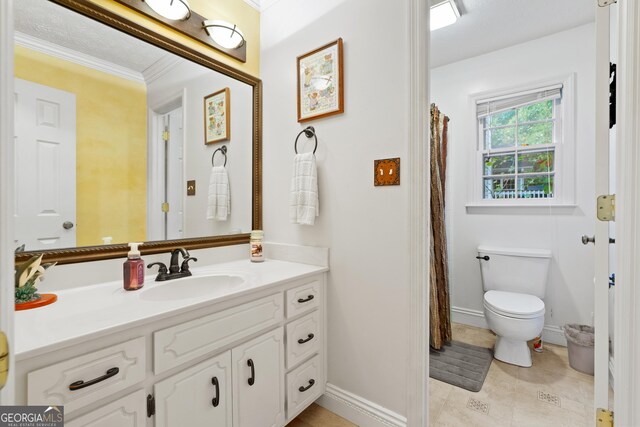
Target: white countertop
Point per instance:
(89, 312)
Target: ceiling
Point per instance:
(488, 25)
(47, 21)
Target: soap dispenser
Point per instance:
(133, 269)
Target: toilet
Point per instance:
(514, 282)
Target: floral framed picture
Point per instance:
(321, 82)
(217, 117)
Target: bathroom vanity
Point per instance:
(237, 344)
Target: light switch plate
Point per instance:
(386, 172)
(191, 188)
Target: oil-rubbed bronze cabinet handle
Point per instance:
(309, 338)
(216, 400)
(81, 384)
(307, 299)
(303, 389)
(252, 379)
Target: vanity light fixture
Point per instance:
(175, 10)
(443, 14)
(224, 33)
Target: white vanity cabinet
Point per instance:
(253, 360)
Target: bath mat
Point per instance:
(459, 364)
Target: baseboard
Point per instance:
(551, 333)
(358, 410)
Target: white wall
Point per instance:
(570, 288)
(365, 227)
(198, 82)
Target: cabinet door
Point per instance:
(198, 396)
(130, 411)
(258, 381)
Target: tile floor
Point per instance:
(317, 416)
(550, 393)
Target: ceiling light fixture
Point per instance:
(444, 14)
(175, 10)
(225, 34)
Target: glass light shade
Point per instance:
(224, 33)
(176, 10)
(443, 14)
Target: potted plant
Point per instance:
(27, 277)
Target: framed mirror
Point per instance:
(112, 124)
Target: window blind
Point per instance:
(485, 107)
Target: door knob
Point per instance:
(67, 225)
(586, 239)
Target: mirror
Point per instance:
(115, 138)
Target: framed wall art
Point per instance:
(217, 118)
(321, 82)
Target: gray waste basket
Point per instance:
(580, 339)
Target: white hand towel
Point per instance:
(304, 206)
(219, 201)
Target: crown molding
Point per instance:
(83, 59)
(254, 4)
(160, 68)
(266, 4)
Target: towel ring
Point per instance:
(309, 132)
(222, 149)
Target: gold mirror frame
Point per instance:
(96, 253)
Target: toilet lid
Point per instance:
(512, 304)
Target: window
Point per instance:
(519, 138)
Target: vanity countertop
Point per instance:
(93, 311)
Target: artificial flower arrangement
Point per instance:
(27, 277)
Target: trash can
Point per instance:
(580, 340)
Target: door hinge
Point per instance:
(165, 135)
(604, 3)
(604, 418)
(4, 359)
(151, 406)
(165, 207)
(606, 207)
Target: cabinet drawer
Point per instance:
(179, 344)
(304, 385)
(303, 298)
(303, 338)
(103, 373)
(130, 411)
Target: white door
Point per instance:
(258, 381)
(197, 397)
(602, 228)
(175, 185)
(45, 167)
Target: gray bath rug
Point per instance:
(459, 364)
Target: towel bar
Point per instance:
(309, 132)
(222, 149)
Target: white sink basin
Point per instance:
(191, 287)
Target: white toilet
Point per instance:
(514, 282)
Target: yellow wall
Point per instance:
(111, 146)
(235, 11)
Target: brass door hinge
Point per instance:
(165, 207)
(606, 207)
(4, 359)
(604, 418)
(165, 135)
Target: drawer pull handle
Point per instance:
(309, 338)
(81, 384)
(307, 299)
(216, 400)
(252, 379)
(303, 389)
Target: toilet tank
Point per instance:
(515, 270)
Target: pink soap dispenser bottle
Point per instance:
(133, 269)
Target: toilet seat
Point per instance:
(512, 304)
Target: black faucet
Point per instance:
(175, 270)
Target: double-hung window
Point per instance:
(519, 139)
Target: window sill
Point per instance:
(519, 208)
